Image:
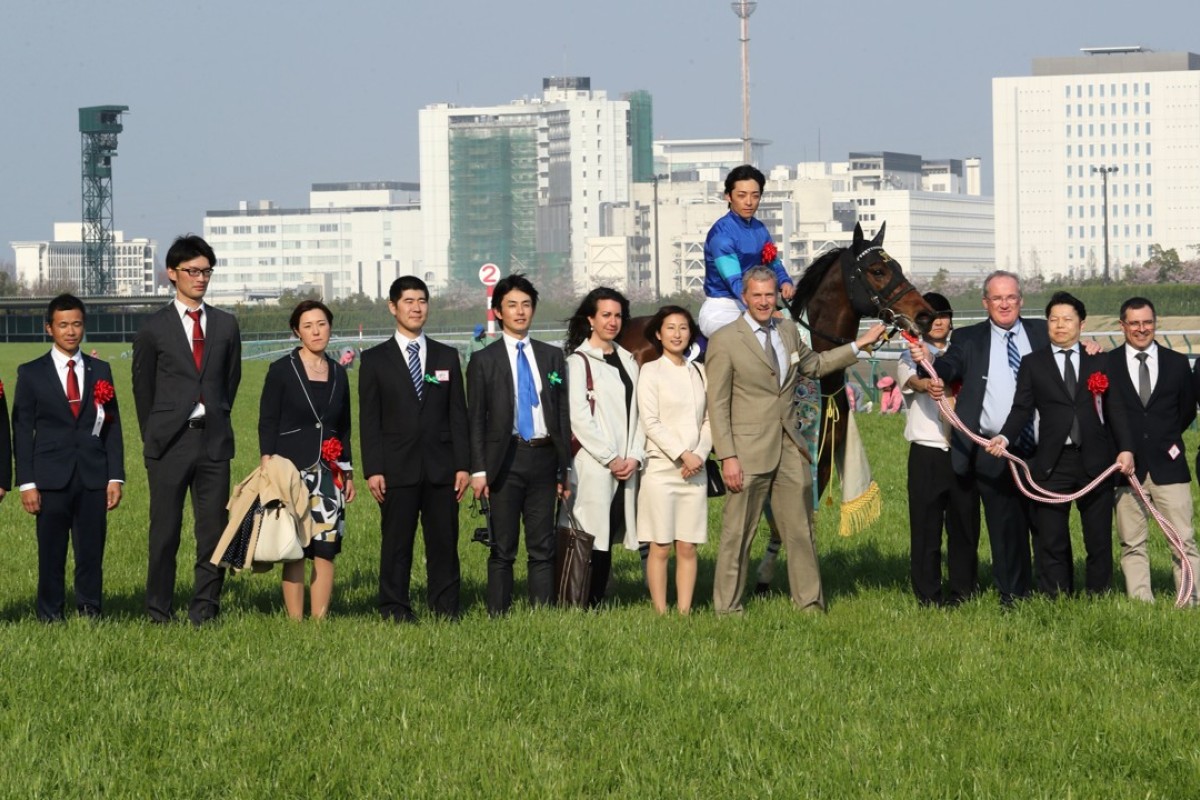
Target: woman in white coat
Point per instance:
(604, 420)
(673, 502)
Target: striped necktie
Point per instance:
(1025, 442)
(414, 368)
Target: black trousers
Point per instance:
(78, 515)
(437, 509)
(938, 498)
(185, 467)
(1009, 516)
(1052, 542)
(602, 559)
(525, 491)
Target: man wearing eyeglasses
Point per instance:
(187, 364)
(985, 357)
(1160, 404)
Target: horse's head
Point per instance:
(877, 287)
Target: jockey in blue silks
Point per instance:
(735, 244)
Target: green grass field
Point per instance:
(1076, 698)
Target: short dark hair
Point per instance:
(744, 173)
(406, 283)
(654, 325)
(1067, 299)
(578, 327)
(940, 305)
(517, 281)
(1137, 303)
(187, 247)
(64, 302)
(305, 306)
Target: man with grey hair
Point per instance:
(752, 366)
(985, 358)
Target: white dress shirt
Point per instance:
(404, 341)
(1001, 383)
(186, 322)
(540, 430)
(1135, 366)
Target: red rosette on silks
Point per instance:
(102, 392)
(769, 253)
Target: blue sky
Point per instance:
(233, 100)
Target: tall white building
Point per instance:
(50, 265)
(1119, 120)
(354, 238)
(521, 185)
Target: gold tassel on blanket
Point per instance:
(862, 500)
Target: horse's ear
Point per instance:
(878, 240)
(857, 244)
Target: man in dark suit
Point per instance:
(985, 357)
(70, 459)
(413, 428)
(520, 442)
(1083, 430)
(1160, 404)
(187, 364)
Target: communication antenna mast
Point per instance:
(98, 128)
(744, 8)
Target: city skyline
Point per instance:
(234, 102)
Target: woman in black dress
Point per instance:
(304, 416)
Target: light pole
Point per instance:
(1104, 173)
(744, 8)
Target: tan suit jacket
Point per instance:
(749, 411)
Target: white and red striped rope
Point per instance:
(1038, 494)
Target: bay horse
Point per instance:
(830, 303)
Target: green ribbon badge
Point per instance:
(430, 379)
(554, 379)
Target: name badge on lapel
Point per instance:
(795, 357)
(441, 374)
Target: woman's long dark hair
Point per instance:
(578, 327)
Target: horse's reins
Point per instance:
(1038, 494)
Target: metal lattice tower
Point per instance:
(98, 128)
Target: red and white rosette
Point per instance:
(1098, 385)
(102, 393)
(331, 453)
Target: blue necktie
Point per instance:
(414, 368)
(1025, 442)
(527, 398)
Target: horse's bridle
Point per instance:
(865, 300)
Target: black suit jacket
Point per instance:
(6, 456)
(287, 425)
(490, 393)
(1040, 387)
(968, 359)
(1159, 425)
(50, 442)
(404, 439)
(167, 385)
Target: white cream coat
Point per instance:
(603, 437)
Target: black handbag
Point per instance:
(716, 481)
(573, 563)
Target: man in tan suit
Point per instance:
(752, 367)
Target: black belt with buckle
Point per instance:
(196, 422)
(544, 441)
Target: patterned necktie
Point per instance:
(769, 349)
(414, 368)
(1025, 442)
(197, 337)
(73, 388)
(1072, 384)
(527, 398)
(1143, 379)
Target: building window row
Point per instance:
(1138, 108)
(1127, 88)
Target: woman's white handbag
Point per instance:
(278, 539)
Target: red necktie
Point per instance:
(73, 388)
(197, 337)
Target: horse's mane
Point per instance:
(812, 277)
